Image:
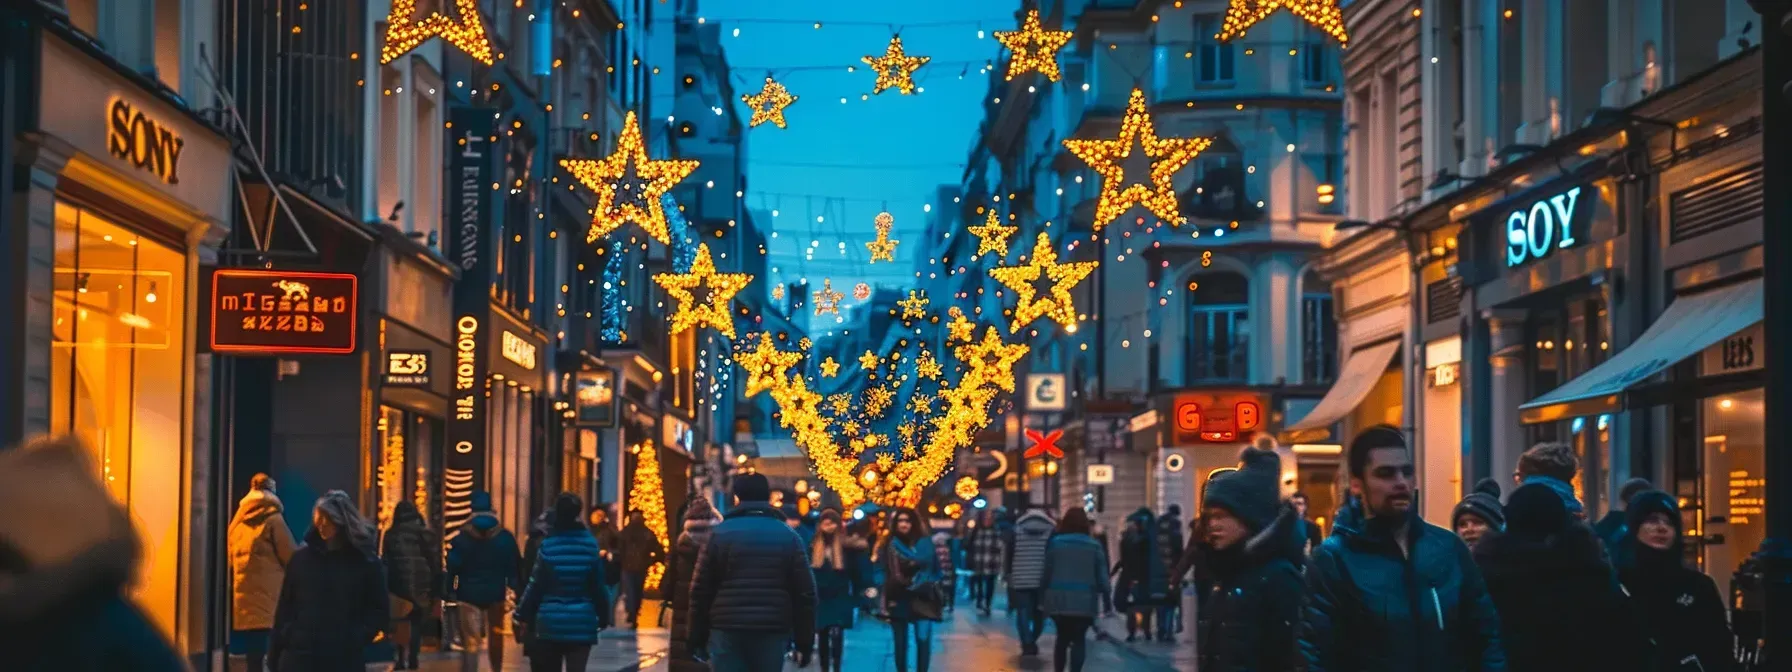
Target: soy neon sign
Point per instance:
(1536, 232)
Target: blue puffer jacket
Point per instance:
(566, 600)
(482, 562)
(753, 576)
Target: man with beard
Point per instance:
(1396, 594)
(1253, 551)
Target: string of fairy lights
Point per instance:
(632, 187)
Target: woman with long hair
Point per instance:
(841, 567)
(565, 602)
(413, 558)
(1076, 586)
(913, 593)
(333, 602)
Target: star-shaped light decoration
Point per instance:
(1042, 268)
(877, 401)
(841, 403)
(768, 104)
(921, 403)
(703, 294)
(927, 367)
(829, 367)
(1034, 47)
(1326, 15)
(914, 307)
(405, 33)
(766, 365)
(883, 248)
(992, 236)
(906, 431)
(1165, 156)
(895, 69)
(991, 360)
(629, 185)
(827, 300)
(960, 329)
(868, 361)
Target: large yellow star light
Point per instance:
(766, 365)
(629, 185)
(1034, 47)
(895, 69)
(1165, 155)
(768, 104)
(991, 360)
(703, 294)
(405, 33)
(914, 307)
(992, 236)
(1326, 15)
(1043, 266)
(826, 299)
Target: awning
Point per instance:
(1362, 369)
(1689, 325)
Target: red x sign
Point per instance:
(1044, 444)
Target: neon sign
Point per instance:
(1536, 232)
(466, 367)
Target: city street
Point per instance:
(967, 642)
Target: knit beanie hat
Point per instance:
(753, 488)
(1536, 511)
(1252, 493)
(1483, 503)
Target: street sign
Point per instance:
(1045, 392)
(1101, 474)
(1044, 444)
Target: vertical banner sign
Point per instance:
(469, 209)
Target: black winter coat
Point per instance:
(332, 605)
(1682, 611)
(640, 549)
(1373, 608)
(753, 575)
(1250, 621)
(1560, 607)
(680, 568)
(413, 557)
(484, 563)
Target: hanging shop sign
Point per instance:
(1101, 474)
(596, 394)
(1215, 417)
(518, 350)
(141, 140)
(1536, 231)
(467, 200)
(1045, 392)
(283, 312)
(406, 369)
(1445, 375)
(676, 433)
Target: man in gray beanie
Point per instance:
(1253, 551)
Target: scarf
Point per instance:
(1563, 488)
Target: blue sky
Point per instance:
(845, 162)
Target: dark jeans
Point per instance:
(1071, 643)
(632, 586)
(412, 649)
(923, 633)
(255, 647)
(747, 651)
(557, 656)
(1166, 620)
(1029, 621)
(830, 646)
(984, 588)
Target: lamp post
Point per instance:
(1775, 555)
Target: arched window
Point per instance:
(1318, 331)
(1220, 190)
(1219, 329)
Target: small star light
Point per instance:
(883, 248)
(967, 487)
(961, 329)
(629, 176)
(868, 361)
(1035, 48)
(1165, 155)
(703, 294)
(914, 307)
(769, 104)
(1326, 15)
(927, 367)
(766, 365)
(895, 69)
(829, 367)
(404, 33)
(826, 299)
(992, 236)
(1043, 266)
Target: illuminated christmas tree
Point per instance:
(648, 495)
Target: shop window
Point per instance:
(1734, 468)
(1219, 329)
(1318, 332)
(406, 466)
(117, 380)
(1566, 342)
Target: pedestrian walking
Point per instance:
(1169, 545)
(1310, 533)
(334, 601)
(1555, 465)
(1479, 513)
(483, 569)
(1614, 526)
(983, 556)
(1250, 621)
(1144, 579)
(841, 564)
(260, 547)
(1076, 587)
(413, 558)
(70, 551)
(700, 519)
(752, 588)
(947, 549)
(1395, 594)
(1560, 606)
(603, 527)
(1026, 576)
(565, 603)
(641, 550)
(914, 588)
(1680, 607)
(1194, 559)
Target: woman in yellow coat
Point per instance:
(260, 547)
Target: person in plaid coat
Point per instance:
(983, 556)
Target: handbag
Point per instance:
(401, 607)
(928, 600)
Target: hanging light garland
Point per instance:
(629, 185)
(895, 69)
(404, 33)
(1326, 15)
(1035, 48)
(768, 104)
(1166, 155)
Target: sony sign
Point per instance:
(1548, 225)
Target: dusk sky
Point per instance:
(845, 162)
